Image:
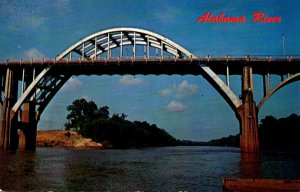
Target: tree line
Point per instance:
(114, 130)
(282, 133)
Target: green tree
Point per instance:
(82, 114)
(282, 133)
(96, 123)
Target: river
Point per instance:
(149, 169)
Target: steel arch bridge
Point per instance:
(28, 86)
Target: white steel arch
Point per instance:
(104, 42)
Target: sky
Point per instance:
(185, 106)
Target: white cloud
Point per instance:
(130, 80)
(46, 118)
(175, 106)
(87, 98)
(167, 14)
(62, 7)
(184, 89)
(47, 123)
(34, 21)
(64, 4)
(19, 16)
(168, 91)
(33, 54)
(72, 85)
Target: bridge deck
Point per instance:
(163, 66)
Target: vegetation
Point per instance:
(280, 133)
(230, 141)
(116, 131)
(113, 130)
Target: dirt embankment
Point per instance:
(69, 139)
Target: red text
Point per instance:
(262, 18)
(210, 18)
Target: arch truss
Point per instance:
(120, 43)
(124, 43)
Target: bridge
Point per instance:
(27, 87)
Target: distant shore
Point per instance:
(71, 139)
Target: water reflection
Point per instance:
(251, 165)
(153, 169)
(15, 168)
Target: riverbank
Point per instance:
(68, 139)
(71, 139)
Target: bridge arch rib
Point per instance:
(289, 80)
(92, 46)
(46, 84)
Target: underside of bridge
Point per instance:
(27, 87)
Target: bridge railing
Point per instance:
(206, 58)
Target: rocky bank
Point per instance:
(69, 139)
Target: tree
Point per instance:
(82, 113)
(103, 112)
(96, 123)
(280, 133)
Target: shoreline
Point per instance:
(62, 139)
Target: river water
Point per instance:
(150, 169)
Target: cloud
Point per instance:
(61, 7)
(167, 14)
(64, 5)
(130, 80)
(175, 106)
(47, 123)
(86, 97)
(168, 91)
(33, 21)
(33, 54)
(18, 15)
(184, 89)
(72, 85)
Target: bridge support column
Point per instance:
(248, 114)
(29, 126)
(8, 132)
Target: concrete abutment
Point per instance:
(11, 121)
(247, 115)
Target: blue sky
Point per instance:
(185, 106)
